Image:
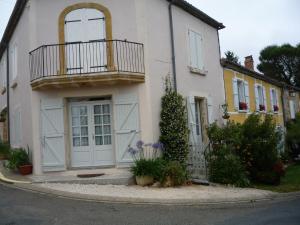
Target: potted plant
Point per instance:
(19, 160)
(147, 164)
(226, 115)
(4, 151)
(243, 106)
(262, 108)
(173, 174)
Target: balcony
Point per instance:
(93, 63)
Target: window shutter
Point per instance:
(193, 51)
(277, 100)
(210, 110)
(292, 109)
(235, 94)
(247, 95)
(265, 99)
(271, 99)
(256, 97)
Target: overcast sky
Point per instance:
(250, 25)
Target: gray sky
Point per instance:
(250, 25)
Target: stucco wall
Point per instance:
(241, 117)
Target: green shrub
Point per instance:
(148, 167)
(174, 174)
(174, 126)
(18, 157)
(242, 152)
(259, 145)
(293, 136)
(4, 149)
(226, 168)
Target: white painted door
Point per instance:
(127, 125)
(91, 137)
(85, 33)
(52, 135)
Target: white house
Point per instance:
(84, 79)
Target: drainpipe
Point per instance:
(172, 45)
(7, 93)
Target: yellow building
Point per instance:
(249, 92)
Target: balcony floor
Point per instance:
(87, 80)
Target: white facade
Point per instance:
(44, 118)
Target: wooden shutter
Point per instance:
(271, 99)
(235, 94)
(256, 97)
(196, 52)
(265, 98)
(52, 135)
(127, 126)
(247, 95)
(210, 109)
(192, 120)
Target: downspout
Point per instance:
(7, 93)
(172, 45)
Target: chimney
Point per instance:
(249, 63)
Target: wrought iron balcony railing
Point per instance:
(87, 58)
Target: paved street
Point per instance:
(19, 207)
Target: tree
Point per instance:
(174, 126)
(232, 57)
(281, 63)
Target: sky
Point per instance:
(250, 25)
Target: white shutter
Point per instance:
(127, 126)
(192, 120)
(247, 95)
(271, 99)
(235, 94)
(256, 97)
(95, 25)
(210, 110)
(292, 109)
(193, 49)
(52, 135)
(277, 99)
(265, 99)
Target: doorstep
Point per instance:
(114, 176)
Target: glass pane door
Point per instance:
(80, 127)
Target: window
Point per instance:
(14, 61)
(241, 94)
(196, 53)
(260, 95)
(274, 100)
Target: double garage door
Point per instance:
(100, 132)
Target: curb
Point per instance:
(139, 201)
(10, 181)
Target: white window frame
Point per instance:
(198, 65)
(259, 98)
(3, 70)
(237, 100)
(274, 99)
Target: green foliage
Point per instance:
(293, 136)
(18, 157)
(281, 63)
(232, 57)
(173, 125)
(226, 168)
(251, 147)
(148, 167)
(174, 173)
(4, 149)
(259, 145)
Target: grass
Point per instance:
(289, 183)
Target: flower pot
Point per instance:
(144, 180)
(25, 170)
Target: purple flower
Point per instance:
(139, 144)
(158, 145)
(132, 151)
